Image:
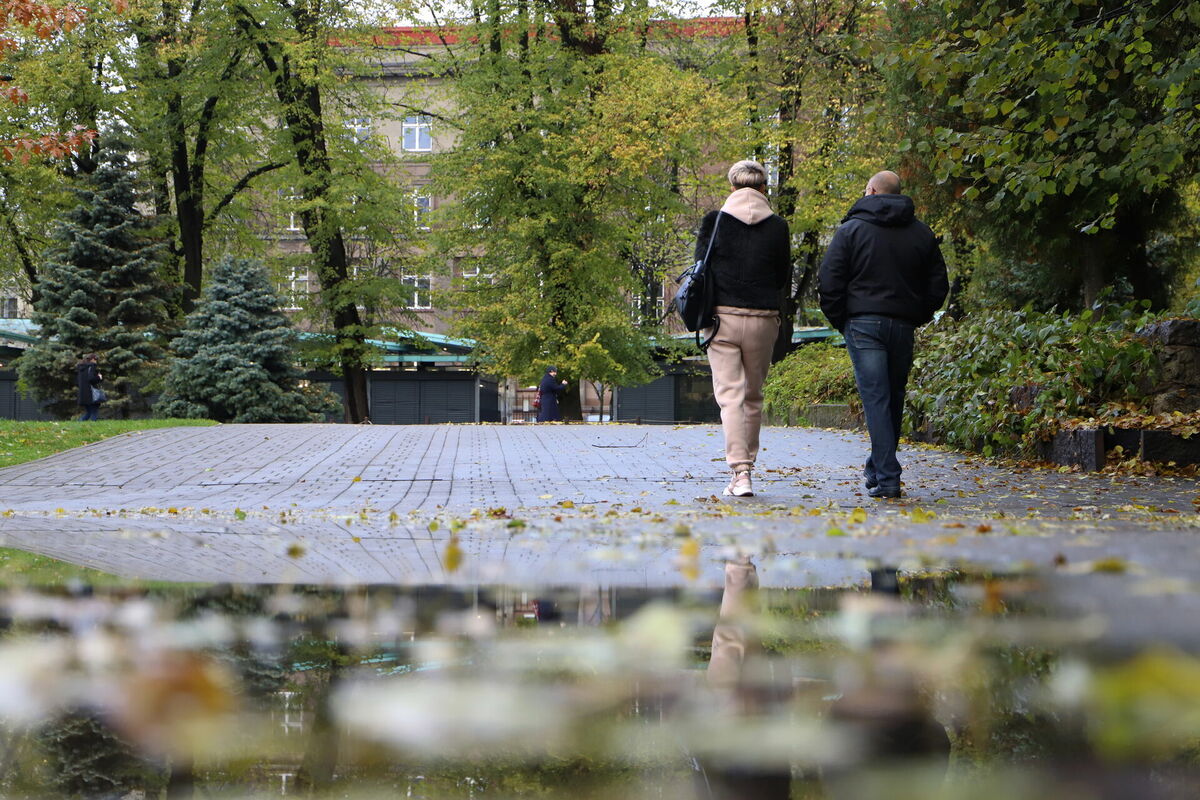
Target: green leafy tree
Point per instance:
(22, 24)
(203, 122)
(100, 290)
(235, 360)
(814, 98)
(33, 197)
(34, 159)
(313, 61)
(574, 135)
(1065, 127)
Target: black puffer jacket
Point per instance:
(87, 376)
(884, 261)
(751, 263)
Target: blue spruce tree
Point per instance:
(236, 355)
(101, 290)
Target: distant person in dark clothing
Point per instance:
(549, 390)
(88, 380)
(882, 277)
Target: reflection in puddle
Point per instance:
(945, 686)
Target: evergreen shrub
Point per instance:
(1001, 381)
(99, 290)
(813, 373)
(235, 360)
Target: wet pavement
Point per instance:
(622, 505)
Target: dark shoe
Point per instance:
(884, 491)
(870, 483)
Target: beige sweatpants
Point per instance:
(729, 644)
(740, 356)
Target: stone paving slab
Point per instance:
(567, 504)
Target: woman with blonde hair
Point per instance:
(751, 263)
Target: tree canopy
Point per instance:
(575, 139)
(20, 21)
(1065, 128)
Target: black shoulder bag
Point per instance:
(695, 299)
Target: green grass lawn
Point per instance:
(26, 441)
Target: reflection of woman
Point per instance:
(549, 391)
(750, 262)
(732, 642)
(88, 379)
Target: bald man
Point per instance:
(882, 277)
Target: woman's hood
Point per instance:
(748, 205)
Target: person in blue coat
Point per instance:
(549, 390)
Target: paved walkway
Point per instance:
(565, 504)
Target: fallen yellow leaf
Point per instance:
(454, 555)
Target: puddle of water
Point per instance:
(949, 685)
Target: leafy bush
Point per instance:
(1000, 381)
(1193, 306)
(814, 373)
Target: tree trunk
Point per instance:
(786, 195)
(962, 277)
(1133, 261)
(315, 775)
(570, 405)
(299, 95)
(181, 779)
(189, 212)
(750, 25)
(28, 266)
(1093, 269)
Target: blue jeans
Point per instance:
(90, 411)
(881, 350)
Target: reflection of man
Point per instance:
(882, 276)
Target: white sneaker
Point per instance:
(739, 485)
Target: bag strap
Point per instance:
(709, 339)
(713, 237)
(671, 306)
(716, 321)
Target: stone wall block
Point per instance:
(1083, 448)
(1178, 383)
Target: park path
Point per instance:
(613, 504)
(454, 468)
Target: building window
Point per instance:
(418, 133)
(292, 202)
(422, 205)
(422, 299)
(296, 288)
(468, 267)
(360, 128)
(9, 307)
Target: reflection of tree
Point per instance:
(327, 659)
(83, 758)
